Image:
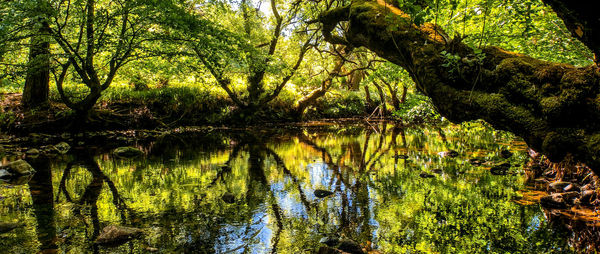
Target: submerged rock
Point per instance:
(588, 186)
(501, 169)
(424, 174)
(572, 187)
(506, 154)
(450, 154)
(559, 185)
(335, 245)
(18, 180)
(19, 167)
(327, 250)
(350, 246)
(330, 241)
(322, 193)
(559, 200)
(33, 151)
(114, 234)
(475, 162)
(228, 198)
(553, 201)
(62, 147)
(587, 196)
(127, 152)
(4, 174)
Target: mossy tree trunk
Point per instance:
(35, 92)
(554, 107)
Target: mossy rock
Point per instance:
(19, 167)
(114, 234)
(62, 147)
(127, 152)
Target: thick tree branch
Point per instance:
(555, 107)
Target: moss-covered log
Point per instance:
(555, 107)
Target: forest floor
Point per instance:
(153, 113)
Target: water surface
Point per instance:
(253, 192)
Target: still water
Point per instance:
(254, 192)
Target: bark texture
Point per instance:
(555, 107)
(35, 92)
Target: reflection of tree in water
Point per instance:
(42, 196)
(265, 180)
(350, 175)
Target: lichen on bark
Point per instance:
(554, 107)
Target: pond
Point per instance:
(388, 188)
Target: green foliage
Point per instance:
(350, 104)
(451, 61)
(188, 42)
(7, 119)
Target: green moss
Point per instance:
(551, 73)
(550, 105)
(593, 146)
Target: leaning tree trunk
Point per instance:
(555, 107)
(35, 93)
(312, 97)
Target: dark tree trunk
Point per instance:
(42, 197)
(554, 107)
(35, 93)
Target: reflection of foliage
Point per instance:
(175, 193)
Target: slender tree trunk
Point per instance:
(382, 101)
(394, 94)
(35, 93)
(308, 100)
(403, 98)
(368, 97)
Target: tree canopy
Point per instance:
(259, 55)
